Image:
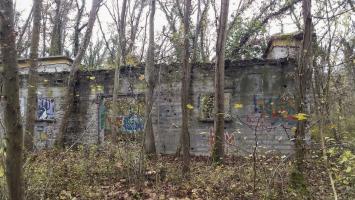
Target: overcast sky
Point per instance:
(24, 6)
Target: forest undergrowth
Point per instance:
(120, 172)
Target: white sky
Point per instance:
(24, 6)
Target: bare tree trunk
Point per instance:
(120, 58)
(171, 18)
(144, 39)
(33, 77)
(149, 141)
(13, 126)
(203, 29)
(44, 29)
(122, 39)
(297, 177)
(186, 77)
(69, 97)
(19, 43)
(77, 27)
(56, 38)
(196, 34)
(218, 148)
(135, 26)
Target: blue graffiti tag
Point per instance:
(132, 123)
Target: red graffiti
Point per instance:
(229, 138)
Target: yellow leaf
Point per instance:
(238, 105)
(348, 169)
(92, 78)
(189, 106)
(2, 173)
(300, 116)
(141, 77)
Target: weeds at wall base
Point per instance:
(112, 172)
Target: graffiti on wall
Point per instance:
(44, 133)
(45, 109)
(278, 110)
(128, 117)
(271, 113)
(132, 123)
(229, 139)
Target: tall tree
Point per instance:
(21, 36)
(120, 58)
(12, 115)
(218, 148)
(174, 16)
(56, 37)
(304, 62)
(200, 32)
(185, 82)
(45, 9)
(69, 97)
(32, 77)
(149, 141)
(78, 27)
(119, 55)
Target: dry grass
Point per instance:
(116, 172)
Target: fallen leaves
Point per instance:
(104, 176)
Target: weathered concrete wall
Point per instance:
(263, 90)
(259, 104)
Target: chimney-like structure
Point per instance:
(283, 46)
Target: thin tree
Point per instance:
(218, 148)
(200, 32)
(149, 141)
(20, 44)
(12, 115)
(32, 77)
(305, 56)
(45, 9)
(56, 37)
(78, 27)
(120, 58)
(186, 77)
(69, 97)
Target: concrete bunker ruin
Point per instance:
(259, 102)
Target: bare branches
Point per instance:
(261, 21)
(19, 44)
